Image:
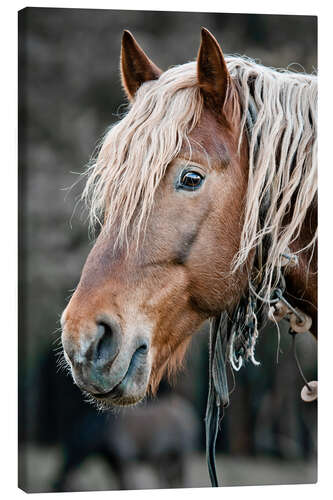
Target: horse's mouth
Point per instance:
(131, 388)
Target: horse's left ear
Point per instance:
(213, 75)
(136, 67)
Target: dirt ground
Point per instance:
(40, 466)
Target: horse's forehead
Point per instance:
(210, 138)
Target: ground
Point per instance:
(42, 464)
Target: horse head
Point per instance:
(170, 182)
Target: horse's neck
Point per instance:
(301, 280)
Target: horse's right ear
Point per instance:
(135, 66)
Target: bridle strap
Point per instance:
(218, 395)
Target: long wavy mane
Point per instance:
(282, 160)
(135, 153)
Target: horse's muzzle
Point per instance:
(105, 366)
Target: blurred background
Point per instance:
(69, 93)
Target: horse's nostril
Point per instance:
(143, 348)
(107, 346)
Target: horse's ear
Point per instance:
(213, 75)
(136, 68)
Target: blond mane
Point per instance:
(135, 153)
(282, 160)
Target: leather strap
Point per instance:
(218, 395)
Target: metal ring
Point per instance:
(300, 326)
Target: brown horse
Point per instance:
(203, 186)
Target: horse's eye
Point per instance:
(190, 180)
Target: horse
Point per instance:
(162, 434)
(205, 196)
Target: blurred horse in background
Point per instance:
(202, 187)
(162, 434)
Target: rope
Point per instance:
(306, 382)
